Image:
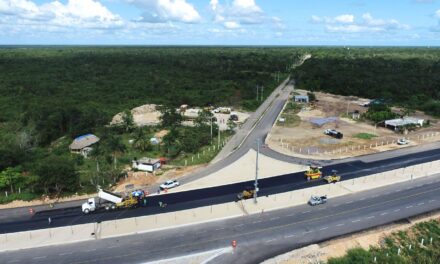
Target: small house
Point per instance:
(301, 98)
(146, 164)
(401, 123)
(81, 145)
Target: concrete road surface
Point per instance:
(258, 237)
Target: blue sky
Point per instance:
(221, 22)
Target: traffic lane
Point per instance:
(203, 197)
(268, 186)
(156, 245)
(281, 224)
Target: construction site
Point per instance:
(333, 127)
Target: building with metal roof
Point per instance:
(398, 123)
(82, 142)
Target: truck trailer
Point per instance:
(109, 201)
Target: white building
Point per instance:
(146, 164)
(399, 123)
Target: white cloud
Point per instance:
(231, 25)
(160, 11)
(75, 13)
(237, 13)
(347, 24)
(345, 18)
(437, 14)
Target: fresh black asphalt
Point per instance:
(211, 196)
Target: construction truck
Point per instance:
(334, 178)
(313, 173)
(110, 201)
(247, 193)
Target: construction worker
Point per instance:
(160, 204)
(49, 220)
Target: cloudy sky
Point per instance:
(221, 22)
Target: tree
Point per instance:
(141, 140)
(57, 174)
(170, 117)
(114, 145)
(127, 120)
(231, 125)
(10, 177)
(204, 117)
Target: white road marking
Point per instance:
(374, 196)
(42, 257)
(371, 217)
(274, 218)
(362, 199)
(13, 261)
(398, 190)
(90, 250)
(306, 232)
(354, 221)
(409, 206)
(420, 204)
(324, 228)
(291, 215)
(116, 246)
(223, 228)
(256, 222)
(397, 210)
(384, 213)
(431, 201)
(340, 224)
(305, 212)
(239, 225)
(270, 240)
(65, 253)
(349, 202)
(289, 236)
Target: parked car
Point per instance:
(169, 184)
(403, 141)
(316, 200)
(334, 133)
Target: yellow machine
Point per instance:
(247, 193)
(332, 178)
(313, 173)
(128, 202)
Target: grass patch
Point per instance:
(366, 136)
(290, 115)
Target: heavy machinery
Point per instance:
(313, 173)
(111, 201)
(247, 193)
(332, 178)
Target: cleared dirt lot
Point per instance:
(304, 137)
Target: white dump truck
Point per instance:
(111, 201)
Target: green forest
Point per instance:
(51, 95)
(408, 77)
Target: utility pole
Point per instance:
(218, 144)
(256, 172)
(211, 128)
(257, 92)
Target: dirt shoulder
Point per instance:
(339, 247)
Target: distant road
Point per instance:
(258, 237)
